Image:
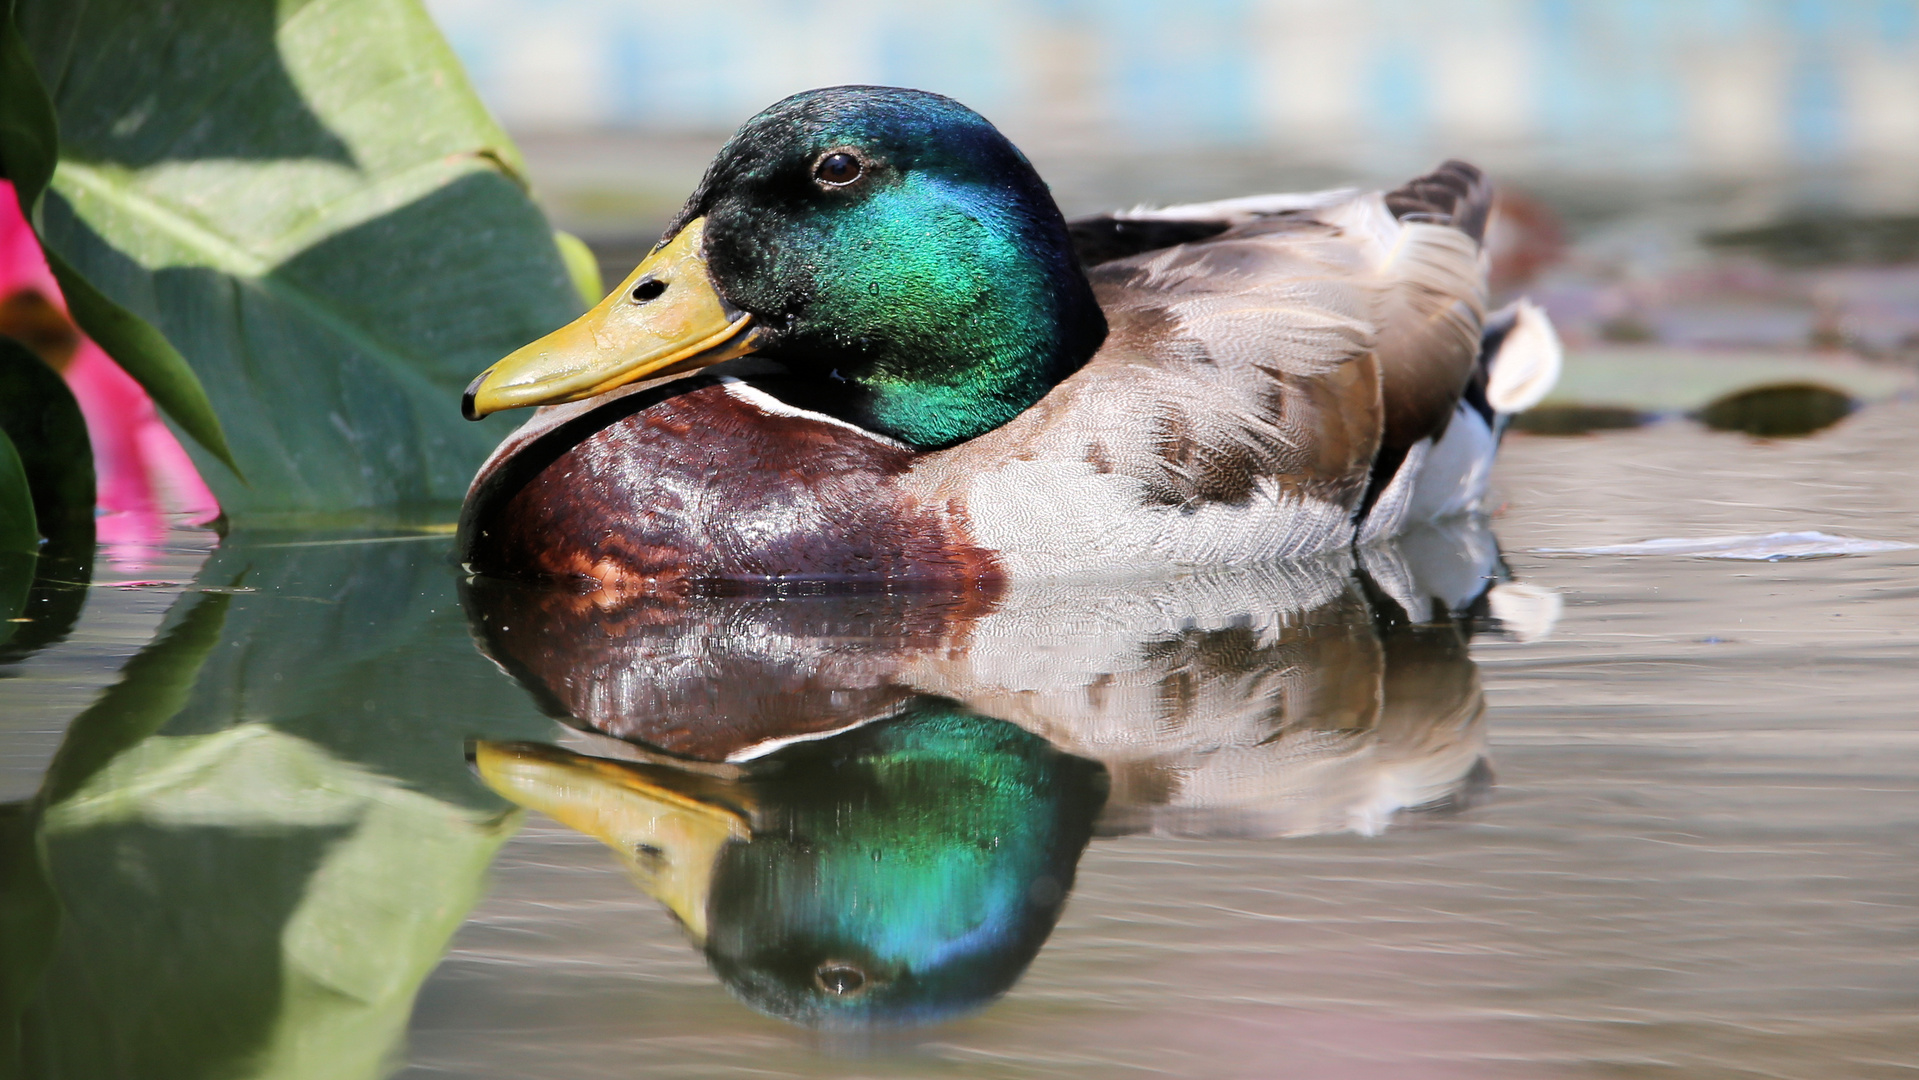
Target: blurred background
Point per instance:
(1686, 172)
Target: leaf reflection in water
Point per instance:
(866, 808)
(250, 851)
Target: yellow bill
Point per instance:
(667, 317)
(668, 826)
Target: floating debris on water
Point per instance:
(1770, 395)
(1769, 547)
(1579, 419)
(1776, 412)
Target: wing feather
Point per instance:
(1264, 368)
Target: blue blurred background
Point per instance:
(1634, 127)
(1708, 86)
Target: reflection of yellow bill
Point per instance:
(668, 826)
(667, 317)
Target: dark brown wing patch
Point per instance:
(1455, 194)
(1428, 359)
(1105, 237)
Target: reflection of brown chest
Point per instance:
(719, 482)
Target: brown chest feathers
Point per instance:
(670, 488)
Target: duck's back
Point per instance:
(1283, 376)
(1268, 376)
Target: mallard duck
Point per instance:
(871, 347)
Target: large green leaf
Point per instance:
(29, 149)
(38, 413)
(19, 528)
(308, 201)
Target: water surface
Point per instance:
(1622, 816)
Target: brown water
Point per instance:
(1672, 831)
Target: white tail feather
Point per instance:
(1527, 365)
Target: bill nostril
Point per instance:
(650, 289)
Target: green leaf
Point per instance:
(38, 413)
(19, 528)
(144, 353)
(29, 144)
(308, 201)
(581, 266)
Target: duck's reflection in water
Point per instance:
(867, 809)
(897, 873)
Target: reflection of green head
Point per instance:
(896, 874)
(902, 872)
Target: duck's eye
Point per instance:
(839, 978)
(650, 289)
(837, 170)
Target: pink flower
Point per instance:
(144, 474)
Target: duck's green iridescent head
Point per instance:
(889, 246)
